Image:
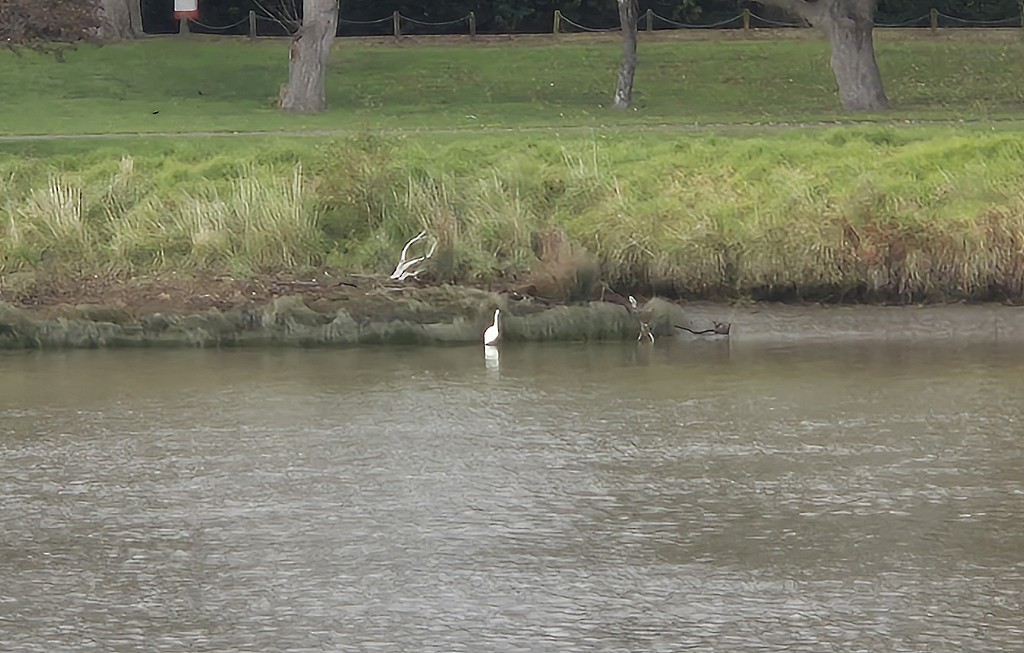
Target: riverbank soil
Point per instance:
(329, 309)
(316, 309)
(172, 293)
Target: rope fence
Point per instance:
(1001, 22)
(920, 21)
(219, 29)
(559, 18)
(772, 23)
(398, 25)
(342, 21)
(672, 24)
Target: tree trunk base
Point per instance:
(120, 20)
(853, 63)
(310, 50)
(628, 12)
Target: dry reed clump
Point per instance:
(483, 231)
(136, 235)
(258, 225)
(498, 225)
(564, 271)
(356, 190)
(1000, 236)
(126, 226)
(55, 216)
(915, 254)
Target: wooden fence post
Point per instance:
(472, 25)
(558, 22)
(933, 16)
(650, 20)
(396, 21)
(746, 19)
(252, 25)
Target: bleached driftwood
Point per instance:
(403, 270)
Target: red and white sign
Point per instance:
(186, 9)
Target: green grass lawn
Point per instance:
(201, 84)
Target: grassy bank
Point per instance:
(848, 213)
(507, 155)
(171, 84)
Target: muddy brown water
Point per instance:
(766, 495)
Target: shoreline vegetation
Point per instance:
(865, 214)
(580, 203)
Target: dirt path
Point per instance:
(745, 127)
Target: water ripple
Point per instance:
(581, 499)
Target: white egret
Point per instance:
(493, 334)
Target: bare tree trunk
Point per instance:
(121, 19)
(135, 15)
(310, 50)
(628, 13)
(849, 25)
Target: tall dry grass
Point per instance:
(124, 224)
(850, 214)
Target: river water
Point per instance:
(699, 496)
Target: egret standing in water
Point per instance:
(492, 334)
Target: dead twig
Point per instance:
(720, 329)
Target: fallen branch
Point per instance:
(720, 329)
(402, 270)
